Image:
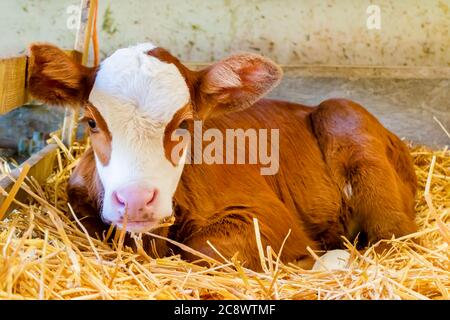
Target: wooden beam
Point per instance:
(355, 71)
(378, 72)
(82, 41)
(41, 163)
(84, 32)
(70, 122)
(12, 83)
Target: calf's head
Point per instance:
(132, 104)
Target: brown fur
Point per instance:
(56, 79)
(341, 172)
(100, 136)
(184, 114)
(307, 195)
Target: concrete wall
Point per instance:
(413, 32)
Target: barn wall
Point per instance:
(413, 32)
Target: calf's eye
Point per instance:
(92, 123)
(183, 125)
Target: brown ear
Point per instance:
(236, 83)
(56, 79)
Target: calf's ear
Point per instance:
(56, 79)
(235, 83)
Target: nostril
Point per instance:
(145, 216)
(119, 199)
(152, 197)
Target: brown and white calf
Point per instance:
(340, 171)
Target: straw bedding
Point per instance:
(46, 254)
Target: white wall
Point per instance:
(413, 32)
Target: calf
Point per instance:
(340, 172)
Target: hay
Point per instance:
(46, 254)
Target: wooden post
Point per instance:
(12, 83)
(41, 166)
(82, 41)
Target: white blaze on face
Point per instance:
(137, 95)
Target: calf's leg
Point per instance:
(371, 166)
